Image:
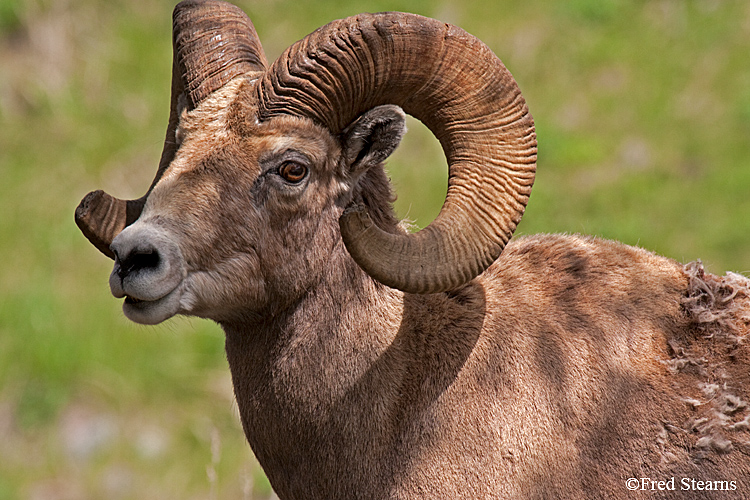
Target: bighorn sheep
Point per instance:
(368, 362)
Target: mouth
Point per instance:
(148, 273)
(151, 312)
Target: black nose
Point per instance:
(137, 259)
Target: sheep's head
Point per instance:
(259, 160)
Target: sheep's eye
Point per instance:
(293, 172)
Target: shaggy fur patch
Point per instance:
(711, 362)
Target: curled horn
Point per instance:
(462, 92)
(213, 42)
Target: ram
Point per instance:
(370, 362)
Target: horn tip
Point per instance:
(91, 211)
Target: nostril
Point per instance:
(148, 263)
(138, 260)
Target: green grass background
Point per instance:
(643, 119)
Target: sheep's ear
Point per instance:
(372, 137)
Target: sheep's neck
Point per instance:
(300, 378)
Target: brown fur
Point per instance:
(549, 376)
(567, 367)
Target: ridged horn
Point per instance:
(213, 42)
(462, 92)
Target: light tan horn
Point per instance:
(213, 42)
(462, 92)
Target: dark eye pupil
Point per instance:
(292, 172)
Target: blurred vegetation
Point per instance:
(643, 119)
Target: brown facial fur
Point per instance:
(251, 243)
